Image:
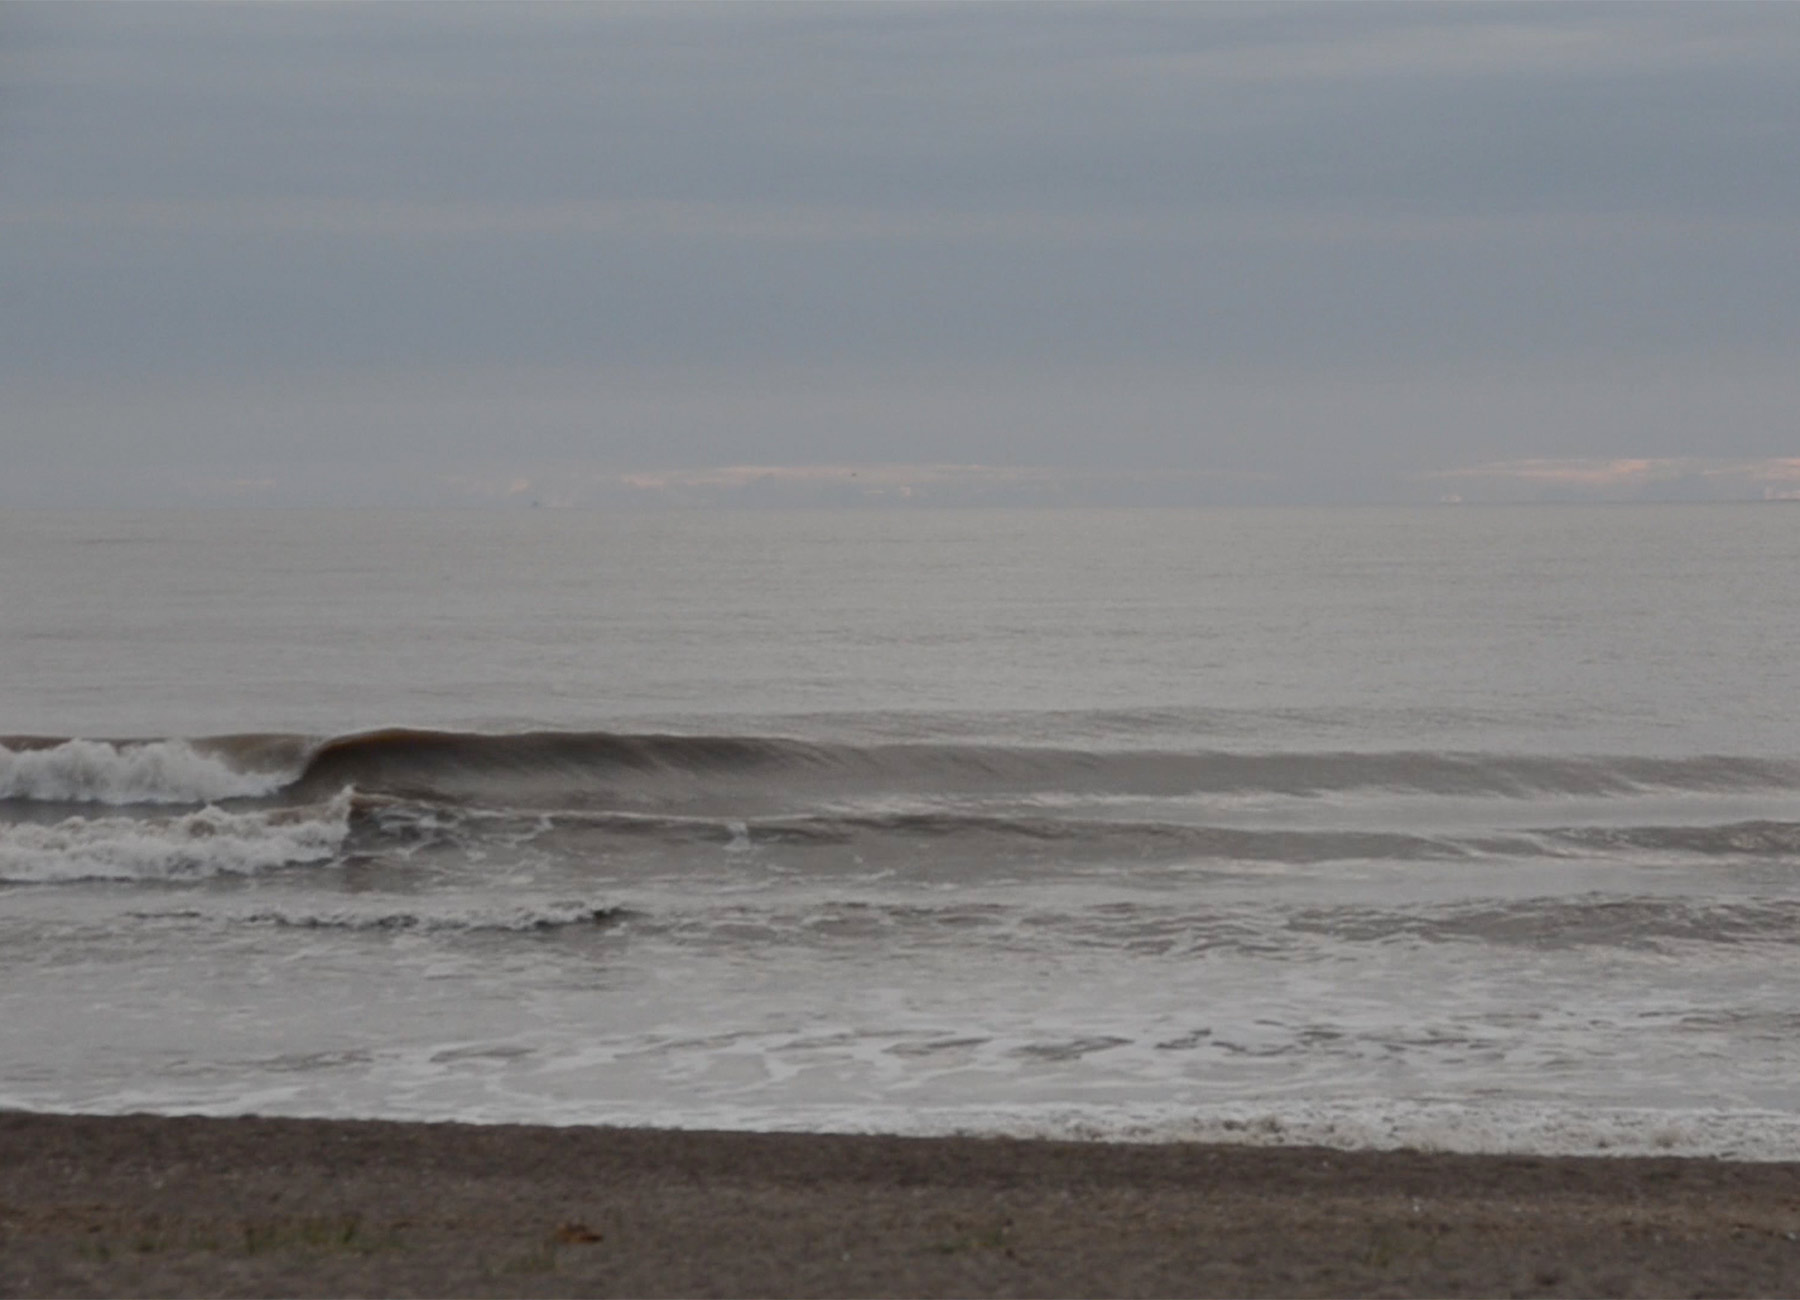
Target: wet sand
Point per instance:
(143, 1205)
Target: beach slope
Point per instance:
(144, 1205)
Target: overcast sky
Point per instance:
(864, 252)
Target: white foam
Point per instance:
(207, 842)
(1487, 1126)
(1471, 1127)
(415, 1084)
(97, 771)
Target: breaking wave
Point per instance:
(195, 845)
(409, 762)
(548, 767)
(140, 772)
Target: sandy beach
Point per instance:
(145, 1205)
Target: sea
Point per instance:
(1466, 828)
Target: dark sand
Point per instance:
(155, 1206)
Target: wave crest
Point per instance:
(127, 772)
(645, 772)
(543, 766)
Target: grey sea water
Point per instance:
(1476, 828)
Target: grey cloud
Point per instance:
(746, 284)
(1340, 245)
(924, 106)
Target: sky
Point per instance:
(700, 254)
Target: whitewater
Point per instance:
(1469, 829)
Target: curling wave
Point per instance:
(425, 762)
(637, 771)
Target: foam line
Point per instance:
(208, 842)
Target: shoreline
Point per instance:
(155, 1205)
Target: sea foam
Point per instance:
(208, 842)
(98, 771)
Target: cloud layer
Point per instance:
(1287, 252)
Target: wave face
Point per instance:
(255, 801)
(587, 768)
(575, 764)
